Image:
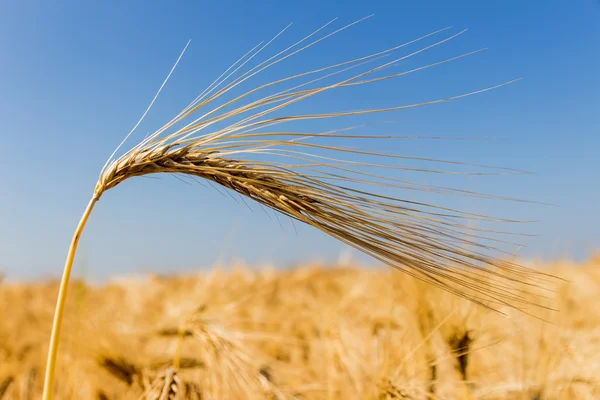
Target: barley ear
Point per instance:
(325, 191)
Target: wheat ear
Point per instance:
(317, 185)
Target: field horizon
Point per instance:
(314, 331)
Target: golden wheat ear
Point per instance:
(247, 145)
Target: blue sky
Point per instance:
(76, 76)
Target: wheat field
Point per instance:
(308, 332)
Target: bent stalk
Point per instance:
(324, 191)
(60, 304)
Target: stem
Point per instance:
(177, 355)
(60, 304)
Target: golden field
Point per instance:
(311, 332)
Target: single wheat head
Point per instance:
(246, 143)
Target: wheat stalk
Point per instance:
(312, 182)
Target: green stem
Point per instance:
(60, 305)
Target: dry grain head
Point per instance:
(311, 178)
(251, 143)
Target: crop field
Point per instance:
(309, 332)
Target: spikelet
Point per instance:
(165, 386)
